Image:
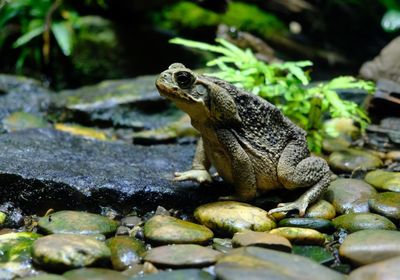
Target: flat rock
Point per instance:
(169, 230)
(353, 222)
(304, 236)
(125, 251)
(229, 217)
(260, 263)
(386, 204)
(82, 174)
(370, 246)
(182, 255)
(384, 180)
(321, 225)
(66, 251)
(351, 159)
(76, 222)
(261, 239)
(384, 270)
(95, 274)
(20, 94)
(133, 103)
(349, 195)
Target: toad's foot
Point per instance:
(201, 176)
(299, 205)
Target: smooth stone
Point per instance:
(386, 204)
(353, 222)
(384, 180)
(83, 174)
(140, 270)
(317, 253)
(66, 251)
(131, 221)
(259, 263)
(45, 276)
(321, 225)
(83, 131)
(261, 239)
(76, 222)
(331, 145)
(322, 209)
(94, 274)
(3, 217)
(15, 254)
(222, 245)
(229, 217)
(125, 251)
(122, 230)
(305, 236)
(23, 120)
(349, 195)
(169, 230)
(384, 270)
(370, 246)
(393, 155)
(351, 159)
(180, 274)
(182, 255)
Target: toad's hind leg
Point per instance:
(297, 169)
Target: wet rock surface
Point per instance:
(384, 180)
(192, 274)
(349, 195)
(351, 159)
(259, 263)
(169, 230)
(305, 236)
(125, 251)
(182, 255)
(78, 173)
(66, 251)
(261, 239)
(386, 204)
(358, 221)
(94, 273)
(383, 270)
(229, 217)
(369, 246)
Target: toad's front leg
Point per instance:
(200, 167)
(297, 169)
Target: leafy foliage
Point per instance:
(287, 85)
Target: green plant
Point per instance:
(287, 85)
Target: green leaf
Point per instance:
(25, 38)
(64, 35)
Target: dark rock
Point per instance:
(133, 103)
(321, 225)
(82, 174)
(22, 94)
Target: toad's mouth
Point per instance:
(172, 93)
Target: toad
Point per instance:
(251, 144)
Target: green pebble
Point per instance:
(320, 225)
(359, 221)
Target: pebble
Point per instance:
(321, 225)
(122, 230)
(353, 222)
(3, 217)
(331, 145)
(223, 245)
(169, 230)
(305, 236)
(259, 263)
(23, 120)
(229, 217)
(393, 155)
(322, 209)
(370, 246)
(351, 159)
(261, 239)
(384, 180)
(131, 221)
(181, 274)
(140, 269)
(66, 251)
(317, 253)
(125, 251)
(384, 270)
(349, 195)
(94, 274)
(182, 255)
(76, 222)
(386, 204)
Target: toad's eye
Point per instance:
(184, 79)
